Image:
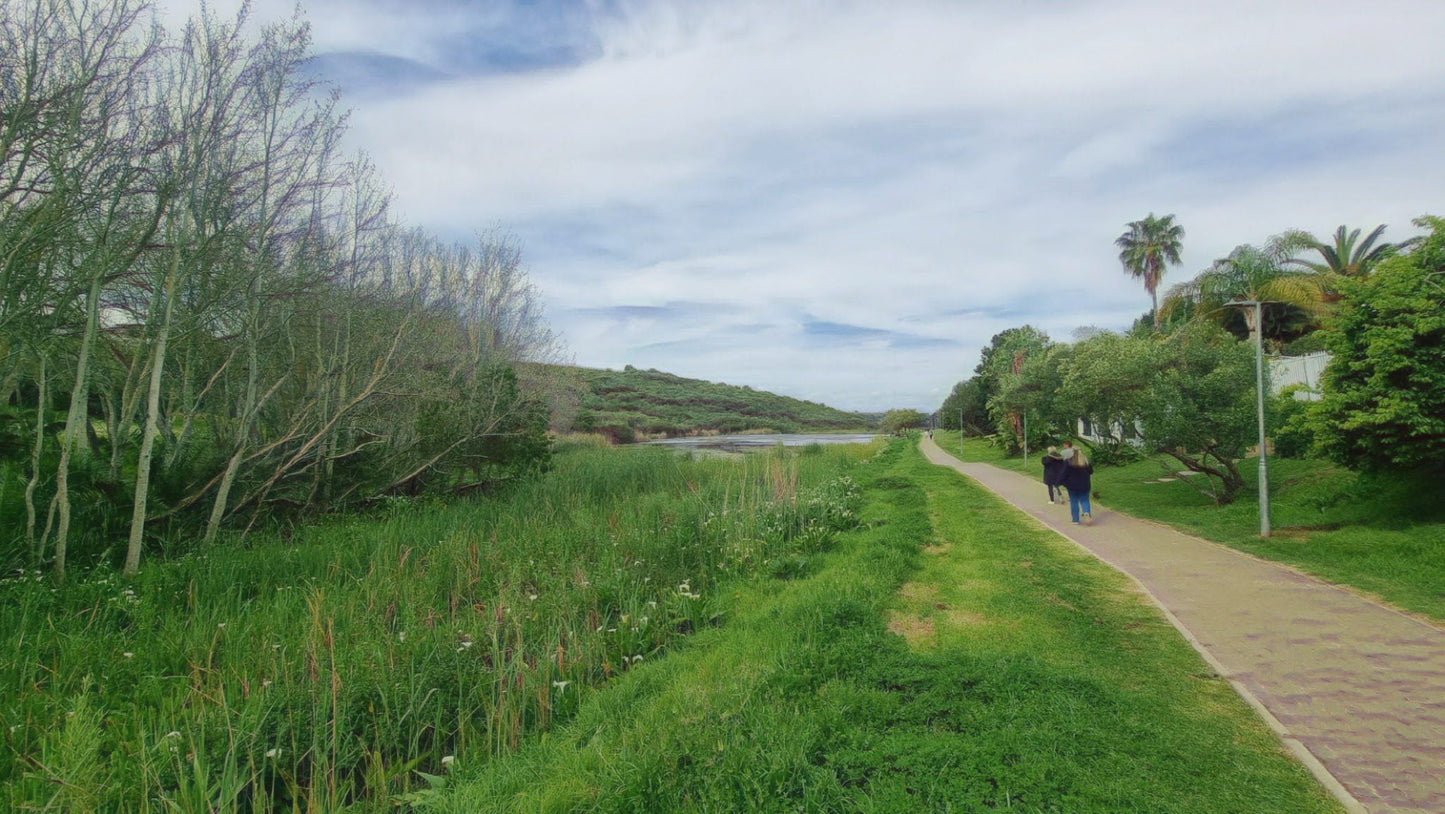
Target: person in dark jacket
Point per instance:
(1077, 479)
(1054, 475)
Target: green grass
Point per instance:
(1381, 535)
(1032, 678)
(649, 402)
(335, 670)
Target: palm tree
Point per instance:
(1252, 273)
(1147, 248)
(1347, 257)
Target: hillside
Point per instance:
(630, 403)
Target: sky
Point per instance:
(843, 201)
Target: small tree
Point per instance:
(1200, 404)
(896, 421)
(1384, 401)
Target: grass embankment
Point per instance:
(1028, 677)
(329, 671)
(634, 403)
(1382, 535)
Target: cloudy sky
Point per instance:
(843, 201)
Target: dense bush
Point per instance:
(1384, 399)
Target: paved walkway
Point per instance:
(1354, 689)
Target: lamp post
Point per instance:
(1257, 327)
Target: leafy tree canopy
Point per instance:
(965, 403)
(1384, 402)
(900, 420)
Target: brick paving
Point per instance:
(1354, 688)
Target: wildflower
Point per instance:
(448, 760)
(401, 636)
(220, 624)
(561, 686)
(532, 597)
(127, 654)
(265, 683)
(466, 644)
(275, 647)
(636, 658)
(173, 734)
(273, 753)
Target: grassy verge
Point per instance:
(1380, 535)
(948, 656)
(335, 670)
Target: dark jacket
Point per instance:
(1076, 478)
(1053, 471)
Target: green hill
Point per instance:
(630, 403)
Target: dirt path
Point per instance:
(1355, 689)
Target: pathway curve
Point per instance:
(1355, 689)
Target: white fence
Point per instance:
(1306, 370)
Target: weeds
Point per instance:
(343, 668)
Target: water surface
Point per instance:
(744, 443)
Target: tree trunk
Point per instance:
(148, 436)
(75, 421)
(36, 545)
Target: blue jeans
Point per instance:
(1078, 502)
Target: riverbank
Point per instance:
(944, 656)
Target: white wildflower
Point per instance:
(448, 760)
(128, 654)
(173, 734)
(273, 753)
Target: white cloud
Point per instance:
(882, 165)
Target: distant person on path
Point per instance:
(1054, 475)
(1077, 472)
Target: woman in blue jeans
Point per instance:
(1077, 480)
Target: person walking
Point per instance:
(1078, 481)
(1054, 475)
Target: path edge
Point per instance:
(1290, 742)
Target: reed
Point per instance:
(342, 667)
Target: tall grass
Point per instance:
(340, 668)
(1029, 678)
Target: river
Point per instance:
(745, 443)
